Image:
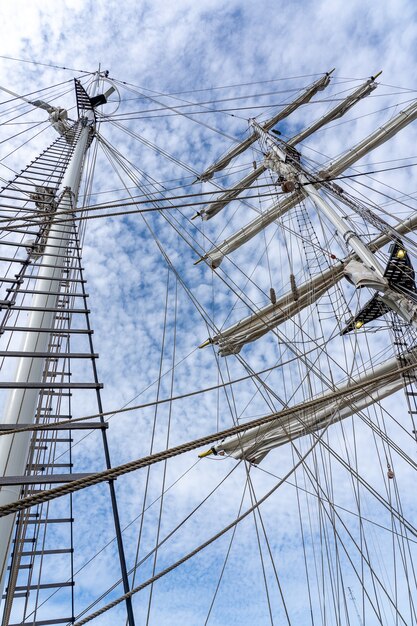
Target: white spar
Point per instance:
(254, 326)
(377, 138)
(336, 112)
(253, 444)
(251, 328)
(58, 117)
(303, 98)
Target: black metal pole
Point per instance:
(116, 518)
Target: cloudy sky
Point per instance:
(221, 63)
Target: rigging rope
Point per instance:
(42, 214)
(131, 466)
(59, 67)
(247, 426)
(212, 539)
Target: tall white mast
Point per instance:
(372, 141)
(21, 405)
(23, 400)
(335, 113)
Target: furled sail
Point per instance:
(303, 98)
(331, 407)
(340, 109)
(232, 339)
(377, 138)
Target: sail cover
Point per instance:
(366, 389)
(215, 256)
(304, 97)
(231, 340)
(338, 111)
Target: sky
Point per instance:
(233, 57)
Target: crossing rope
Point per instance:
(131, 466)
(209, 541)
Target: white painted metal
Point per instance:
(380, 383)
(279, 163)
(22, 403)
(306, 96)
(338, 111)
(343, 229)
(380, 136)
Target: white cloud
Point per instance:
(177, 47)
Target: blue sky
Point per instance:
(194, 50)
